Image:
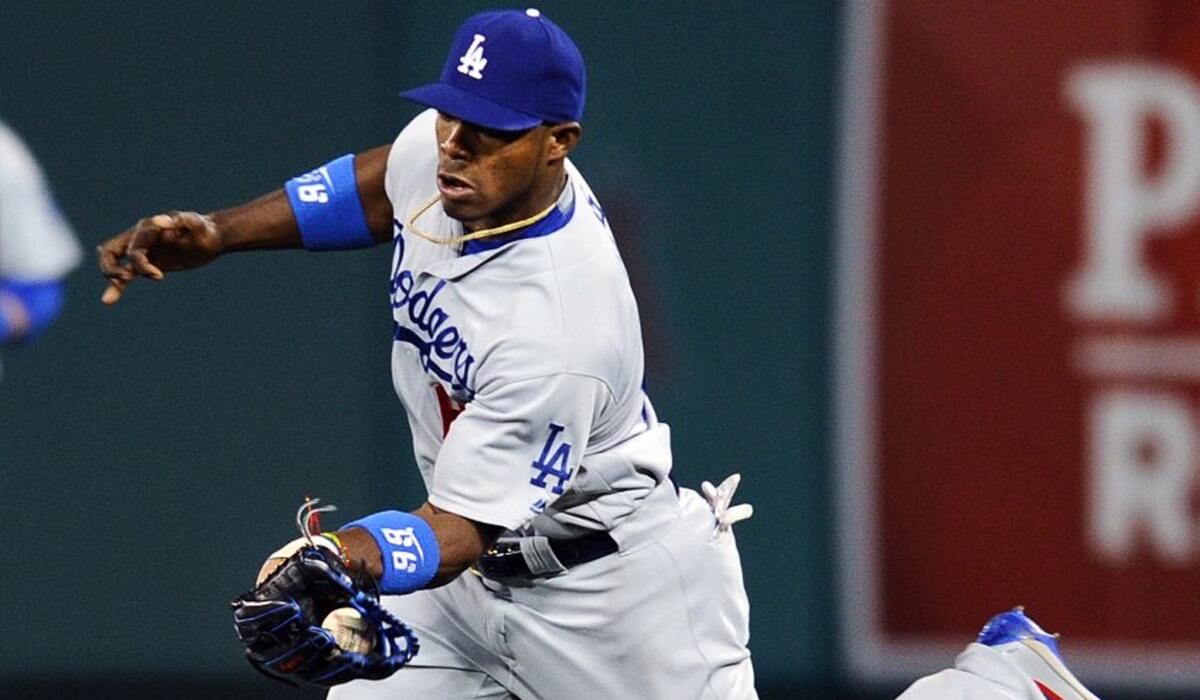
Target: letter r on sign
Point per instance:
(1143, 450)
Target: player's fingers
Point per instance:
(181, 229)
(108, 256)
(142, 265)
(145, 236)
(112, 294)
(165, 229)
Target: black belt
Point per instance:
(504, 560)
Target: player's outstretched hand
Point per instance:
(157, 244)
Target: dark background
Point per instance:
(151, 454)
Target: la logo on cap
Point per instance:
(538, 76)
(472, 62)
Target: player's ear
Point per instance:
(562, 138)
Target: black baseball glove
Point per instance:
(280, 624)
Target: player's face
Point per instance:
(488, 178)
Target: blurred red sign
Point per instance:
(1019, 340)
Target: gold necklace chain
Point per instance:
(483, 233)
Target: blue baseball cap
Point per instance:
(509, 70)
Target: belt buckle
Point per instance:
(502, 560)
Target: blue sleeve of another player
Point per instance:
(42, 301)
(327, 207)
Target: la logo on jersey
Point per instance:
(472, 62)
(553, 464)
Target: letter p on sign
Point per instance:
(1123, 203)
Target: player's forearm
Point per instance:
(264, 223)
(460, 541)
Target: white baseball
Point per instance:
(349, 630)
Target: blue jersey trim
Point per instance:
(555, 220)
(328, 210)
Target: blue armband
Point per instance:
(327, 207)
(410, 549)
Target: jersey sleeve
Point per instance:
(515, 449)
(36, 244)
(412, 165)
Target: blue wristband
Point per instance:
(327, 207)
(410, 549)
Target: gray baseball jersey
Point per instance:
(520, 366)
(36, 243)
(517, 362)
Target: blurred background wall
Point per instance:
(857, 232)
(1017, 357)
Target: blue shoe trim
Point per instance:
(1013, 626)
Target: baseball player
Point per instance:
(1013, 659)
(554, 556)
(37, 247)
